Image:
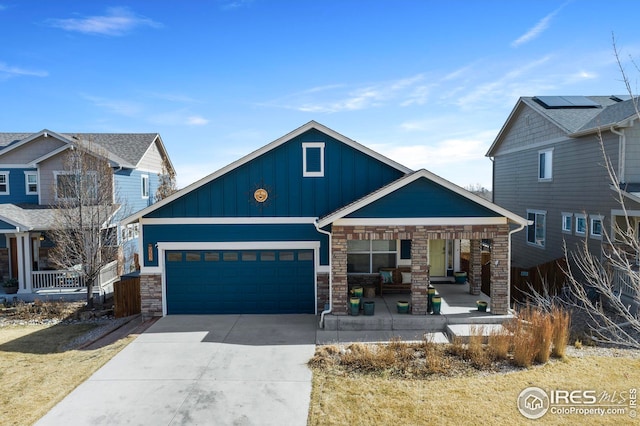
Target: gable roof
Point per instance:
(33, 217)
(123, 149)
(574, 121)
(291, 135)
(404, 181)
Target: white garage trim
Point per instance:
(238, 245)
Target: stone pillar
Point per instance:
(500, 275)
(322, 290)
(339, 271)
(475, 267)
(419, 272)
(151, 295)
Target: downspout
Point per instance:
(622, 153)
(328, 311)
(513, 231)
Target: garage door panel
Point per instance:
(252, 281)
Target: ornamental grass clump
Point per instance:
(561, 328)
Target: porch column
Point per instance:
(339, 271)
(25, 262)
(475, 267)
(500, 274)
(419, 272)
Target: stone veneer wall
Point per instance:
(4, 263)
(420, 253)
(322, 295)
(151, 295)
(475, 267)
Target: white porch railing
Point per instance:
(70, 279)
(626, 282)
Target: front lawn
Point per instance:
(35, 371)
(482, 398)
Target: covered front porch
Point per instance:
(458, 310)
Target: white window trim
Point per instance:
(586, 225)
(144, 187)
(26, 183)
(6, 173)
(565, 215)
(306, 145)
(535, 244)
(592, 219)
(549, 164)
(371, 252)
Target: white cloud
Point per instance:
(117, 22)
(537, 29)
(196, 120)
(10, 71)
(116, 106)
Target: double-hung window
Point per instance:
(581, 224)
(31, 183)
(545, 165)
(368, 256)
(596, 226)
(567, 222)
(4, 183)
(536, 233)
(76, 186)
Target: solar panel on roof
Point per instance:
(620, 98)
(566, 102)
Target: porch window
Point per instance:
(313, 159)
(31, 183)
(368, 256)
(4, 183)
(536, 233)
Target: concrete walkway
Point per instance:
(201, 370)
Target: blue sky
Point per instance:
(428, 84)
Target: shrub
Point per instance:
(542, 334)
(499, 343)
(561, 327)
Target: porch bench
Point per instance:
(393, 281)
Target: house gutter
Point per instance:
(622, 153)
(327, 311)
(513, 231)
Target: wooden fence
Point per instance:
(547, 275)
(126, 297)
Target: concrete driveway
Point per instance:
(201, 370)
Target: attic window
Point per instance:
(313, 159)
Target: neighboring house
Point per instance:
(548, 166)
(289, 227)
(32, 171)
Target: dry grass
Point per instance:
(499, 343)
(490, 399)
(35, 374)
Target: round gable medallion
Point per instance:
(261, 195)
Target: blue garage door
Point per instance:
(240, 282)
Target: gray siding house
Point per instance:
(549, 167)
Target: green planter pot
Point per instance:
(461, 277)
(437, 302)
(354, 306)
(403, 307)
(482, 305)
(431, 292)
(369, 308)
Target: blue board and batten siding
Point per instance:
(423, 198)
(18, 187)
(348, 175)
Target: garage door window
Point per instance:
(249, 256)
(193, 256)
(230, 256)
(305, 255)
(268, 256)
(286, 256)
(174, 257)
(211, 256)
